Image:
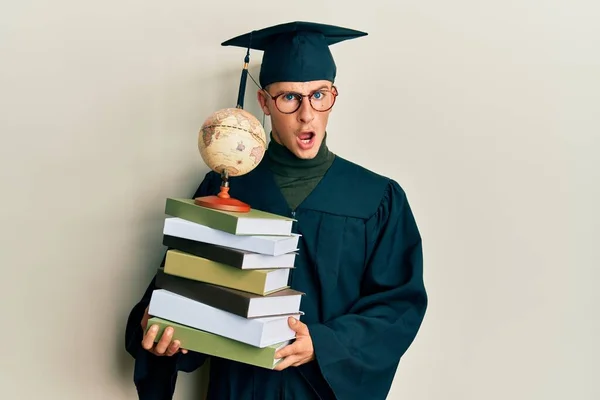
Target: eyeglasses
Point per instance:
(321, 100)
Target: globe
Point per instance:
(232, 142)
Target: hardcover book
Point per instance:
(258, 281)
(254, 222)
(219, 346)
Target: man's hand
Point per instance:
(299, 352)
(164, 347)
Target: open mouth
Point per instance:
(306, 137)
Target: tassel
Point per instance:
(244, 77)
(242, 90)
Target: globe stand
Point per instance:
(223, 201)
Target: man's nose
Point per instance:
(305, 113)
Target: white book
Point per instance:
(257, 332)
(270, 245)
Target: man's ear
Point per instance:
(262, 100)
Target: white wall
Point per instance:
(486, 112)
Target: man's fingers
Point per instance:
(164, 341)
(288, 350)
(148, 340)
(300, 362)
(299, 327)
(164, 347)
(173, 348)
(286, 362)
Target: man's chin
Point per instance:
(305, 154)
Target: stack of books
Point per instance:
(224, 285)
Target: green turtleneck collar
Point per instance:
(295, 177)
(284, 163)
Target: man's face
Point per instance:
(302, 132)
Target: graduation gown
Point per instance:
(360, 266)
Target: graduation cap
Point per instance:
(293, 52)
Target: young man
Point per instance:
(360, 257)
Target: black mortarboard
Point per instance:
(295, 51)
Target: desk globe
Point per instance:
(232, 142)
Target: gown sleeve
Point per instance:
(358, 352)
(155, 376)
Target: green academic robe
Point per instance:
(360, 266)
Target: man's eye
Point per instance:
(289, 96)
(318, 95)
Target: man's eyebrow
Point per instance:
(281, 91)
(319, 88)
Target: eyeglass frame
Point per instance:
(334, 92)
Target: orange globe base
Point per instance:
(222, 201)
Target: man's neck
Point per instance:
(296, 177)
(285, 163)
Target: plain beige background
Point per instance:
(485, 112)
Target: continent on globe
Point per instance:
(240, 146)
(207, 135)
(257, 154)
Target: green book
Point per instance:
(218, 346)
(258, 281)
(254, 222)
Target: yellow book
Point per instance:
(259, 281)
